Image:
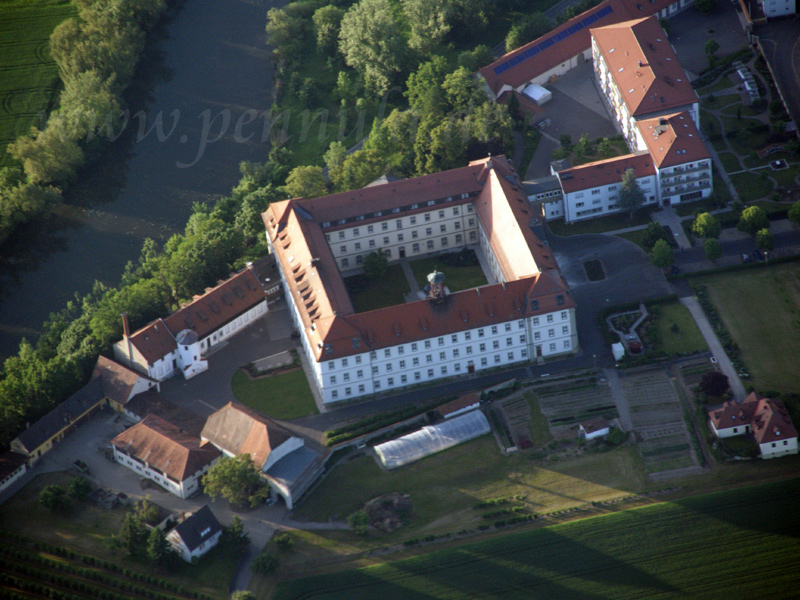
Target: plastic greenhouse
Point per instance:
(432, 439)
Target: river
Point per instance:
(208, 62)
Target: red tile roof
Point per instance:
(238, 429)
(204, 314)
(672, 140)
(605, 172)
(767, 417)
(118, 380)
(473, 398)
(644, 67)
(733, 414)
(520, 66)
(166, 447)
(502, 209)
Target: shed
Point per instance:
(595, 428)
(619, 350)
(537, 93)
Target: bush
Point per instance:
(265, 564)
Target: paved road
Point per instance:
(621, 401)
(715, 346)
(668, 218)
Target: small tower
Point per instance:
(436, 288)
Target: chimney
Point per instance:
(126, 330)
(249, 264)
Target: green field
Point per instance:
(283, 396)
(687, 338)
(601, 224)
(456, 278)
(372, 295)
(761, 309)
(751, 186)
(743, 544)
(28, 75)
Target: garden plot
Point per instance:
(564, 406)
(657, 416)
(517, 414)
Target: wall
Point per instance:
(780, 448)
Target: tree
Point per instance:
(711, 48)
(462, 92)
(528, 29)
(284, 542)
(236, 533)
(712, 249)
(334, 156)
(265, 564)
(327, 22)
(288, 29)
(631, 196)
(714, 383)
(652, 233)
(429, 21)
(243, 595)
(472, 60)
(54, 497)
(375, 264)
(305, 182)
(78, 488)
(158, 547)
(794, 213)
(705, 6)
(753, 219)
(662, 256)
(371, 43)
(706, 226)
(236, 479)
(358, 169)
(764, 240)
(132, 534)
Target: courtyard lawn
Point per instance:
(751, 186)
(761, 309)
(730, 162)
(456, 278)
(687, 338)
(389, 290)
(283, 396)
(737, 545)
(29, 78)
(637, 237)
(601, 224)
(444, 487)
(723, 83)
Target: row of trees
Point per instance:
(96, 55)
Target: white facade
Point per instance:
(778, 8)
(190, 555)
(778, 448)
(233, 327)
(9, 479)
(603, 200)
(685, 183)
(182, 489)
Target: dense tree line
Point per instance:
(96, 54)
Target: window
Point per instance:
(484, 362)
(387, 353)
(523, 353)
(455, 210)
(388, 367)
(388, 253)
(402, 364)
(551, 333)
(536, 321)
(399, 223)
(333, 379)
(537, 335)
(430, 372)
(458, 367)
(345, 262)
(508, 326)
(414, 347)
(444, 369)
(482, 347)
(414, 234)
(442, 228)
(509, 341)
(355, 232)
(473, 235)
(334, 394)
(430, 244)
(347, 376)
(522, 339)
(372, 243)
(442, 356)
(359, 259)
(374, 370)
(455, 353)
(390, 381)
(377, 385)
(549, 318)
(595, 192)
(344, 362)
(401, 349)
(494, 329)
(440, 341)
(343, 249)
(481, 332)
(361, 388)
(441, 214)
(427, 216)
(552, 347)
(427, 344)
(444, 242)
(521, 324)
(454, 338)
(331, 365)
(358, 359)
(428, 231)
(386, 240)
(399, 237)
(415, 362)
(429, 358)
(413, 220)
(359, 373)
(471, 222)
(467, 335)
(327, 237)
(469, 349)
(496, 358)
(495, 344)
(565, 330)
(510, 356)
(459, 239)
(370, 229)
(358, 245)
(341, 235)
(469, 206)
(563, 315)
(417, 375)
(373, 355)
(579, 204)
(566, 344)
(384, 226)
(403, 379)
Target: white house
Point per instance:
(180, 342)
(160, 451)
(567, 46)
(526, 312)
(778, 8)
(640, 75)
(766, 418)
(196, 535)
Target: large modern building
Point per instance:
(639, 74)
(525, 312)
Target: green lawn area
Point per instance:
(752, 162)
(86, 529)
(637, 237)
(751, 187)
(28, 75)
(761, 309)
(283, 396)
(771, 207)
(444, 487)
(456, 278)
(730, 161)
(723, 83)
(387, 291)
(703, 205)
(687, 339)
(786, 177)
(540, 428)
(601, 224)
(722, 101)
(738, 544)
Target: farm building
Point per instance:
(432, 439)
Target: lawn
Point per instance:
(283, 396)
(29, 78)
(751, 186)
(601, 224)
(456, 278)
(86, 528)
(687, 338)
(730, 162)
(372, 295)
(702, 205)
(444, 487)
(637, 237)
(723, 83)
(761, 309)
(739, 544)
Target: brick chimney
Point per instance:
(126, 331)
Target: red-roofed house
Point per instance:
(640, 75)
(180, 342)
(766, 418)
(528, 313)
(160, 451)
(120, 383)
